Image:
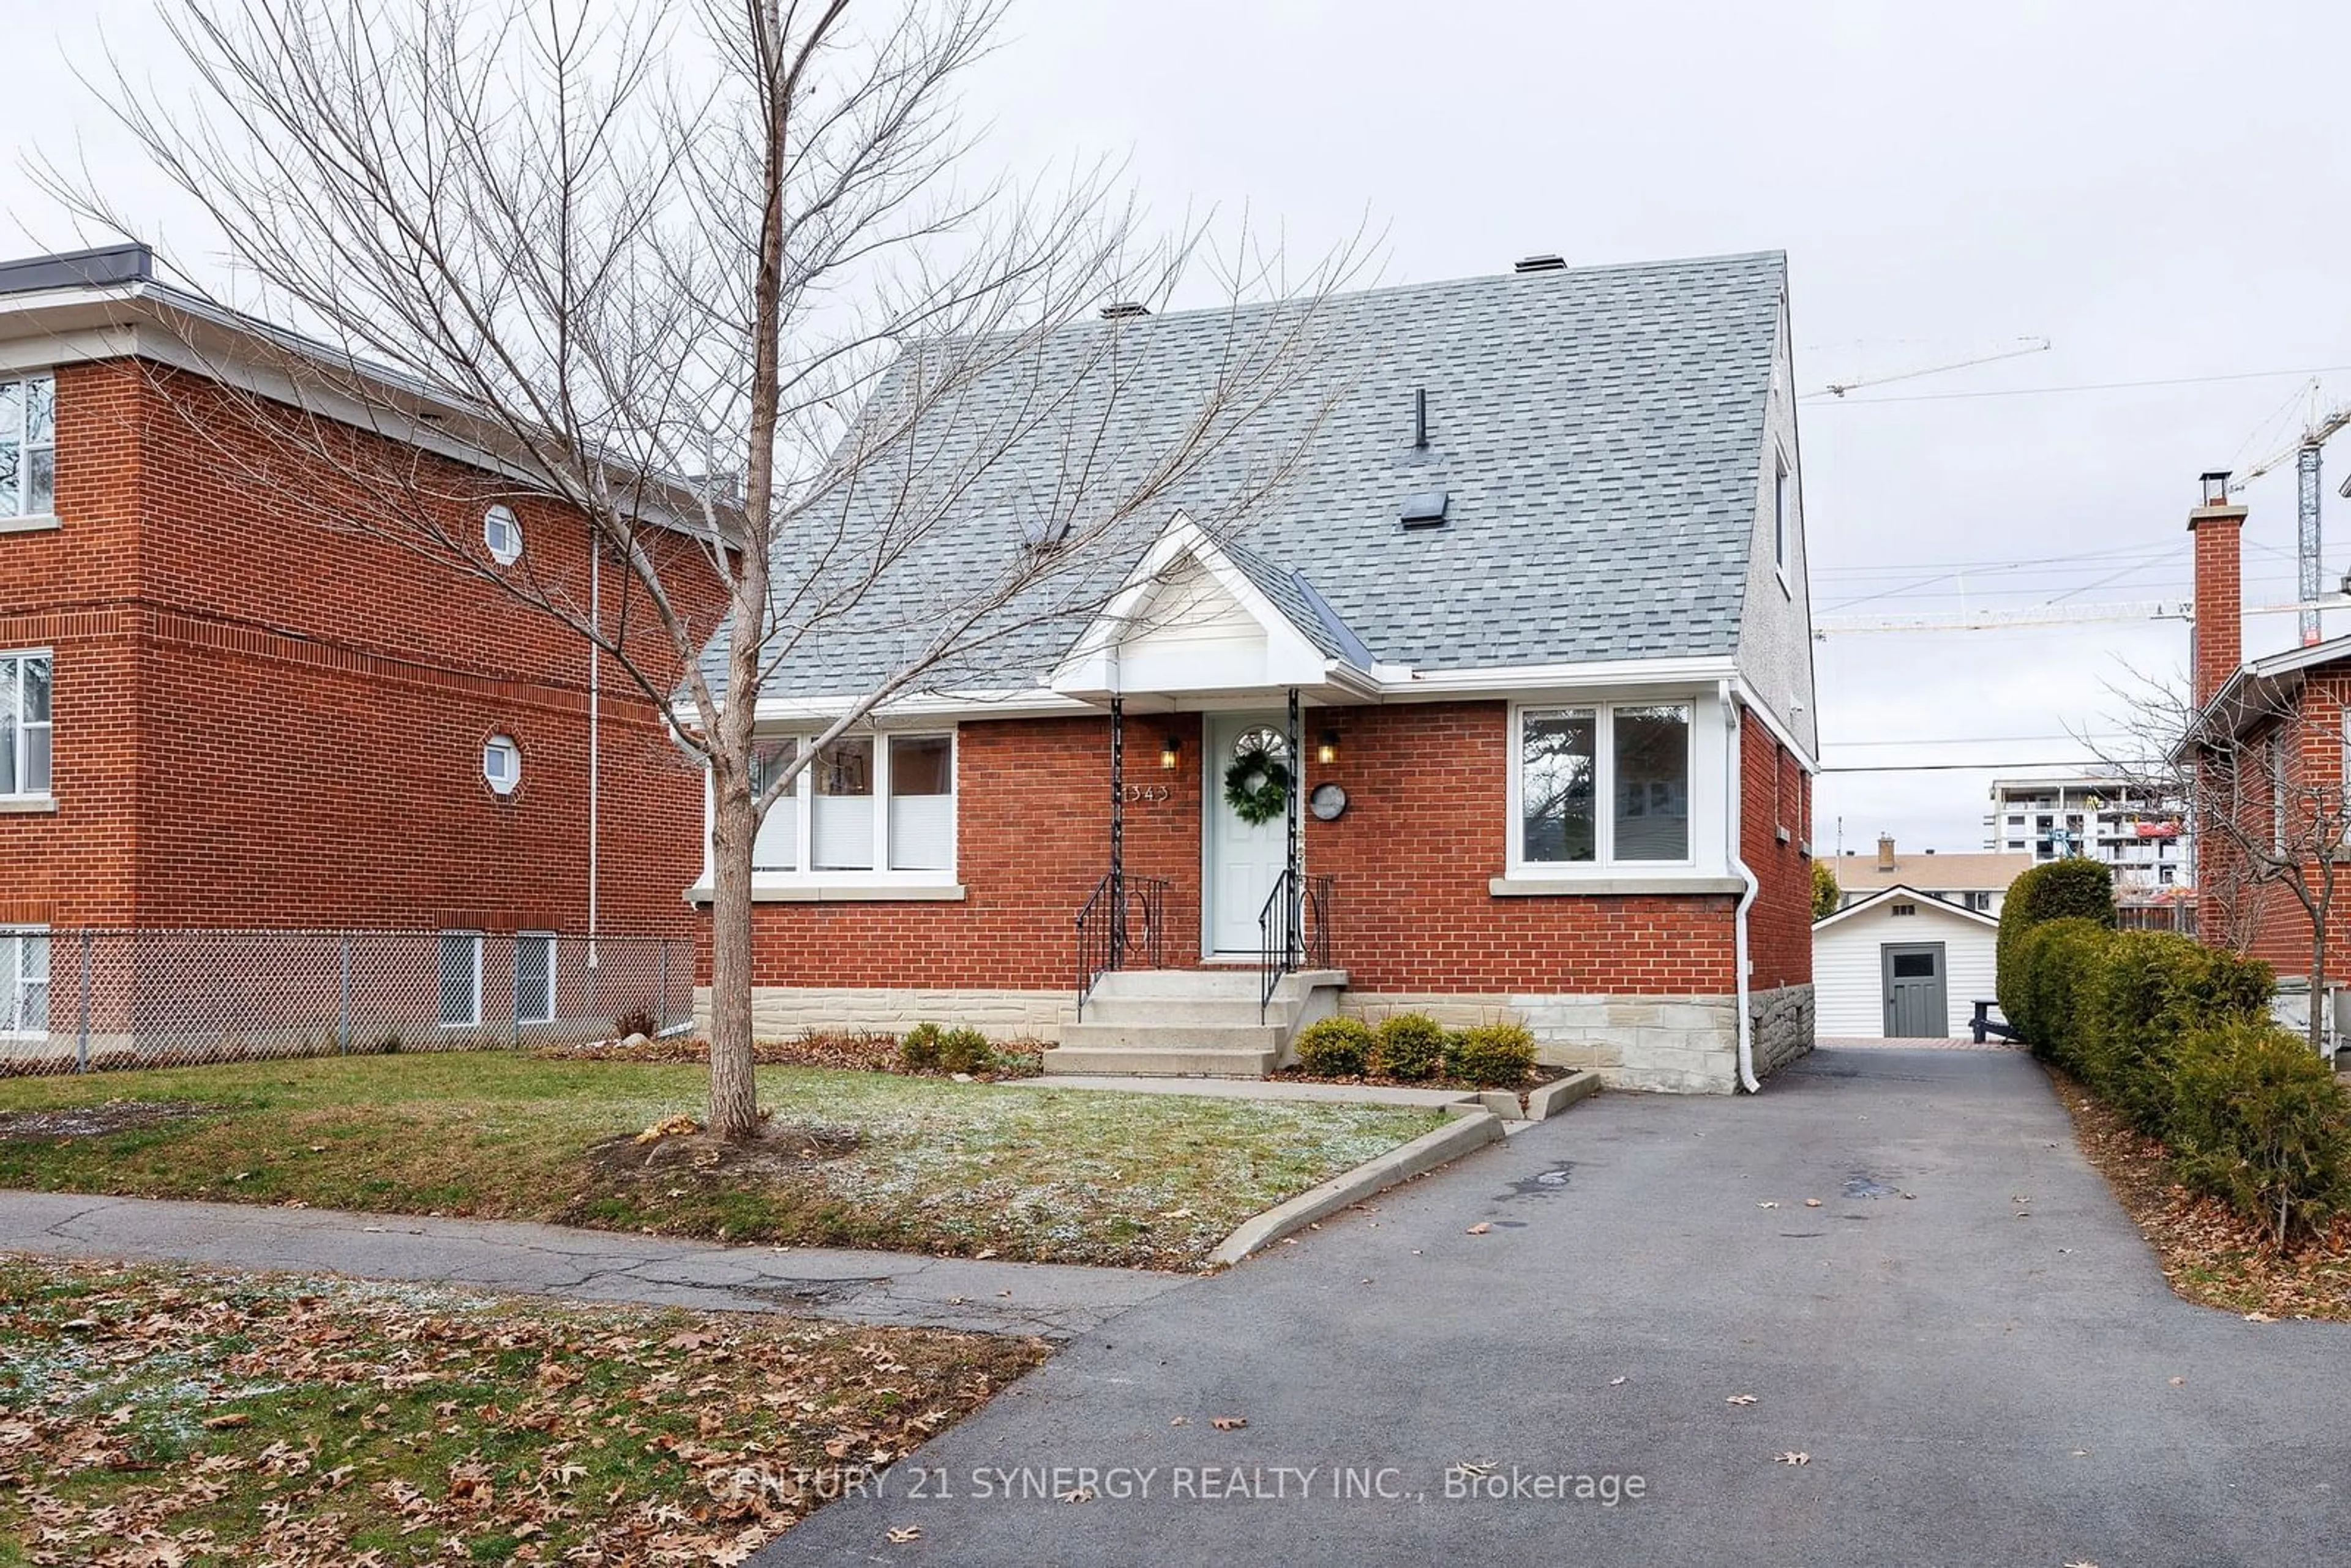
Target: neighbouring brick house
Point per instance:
(1526, 625)
(2265, 752)
(221, 708)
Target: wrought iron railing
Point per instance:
(1293, 932)
(1121, 924)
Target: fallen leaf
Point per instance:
(1812, 1203)
(2177, 1382)
(1229, 1423)
(1480, 1229)
(222, 1423)
(1741, 1399)
(1081, 1494)
(2259, 1318)
(1767, 1206)
(1791, 1458)
(1181, 1421)
(1614, 1381)
(903, 1533)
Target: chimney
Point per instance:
(1885, 851)
(2216, 643)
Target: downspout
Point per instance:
(1730, 770)
(595, 704)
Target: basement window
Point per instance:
(25, 981)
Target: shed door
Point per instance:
(1915, 1005)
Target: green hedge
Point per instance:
(2070, 889)
(2178, 1037)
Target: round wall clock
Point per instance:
(1327, 801)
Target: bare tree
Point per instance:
(2258, 776)
(714, 282)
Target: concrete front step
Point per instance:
(1184, 1012)
(1251, 1036)
(1157, 1062)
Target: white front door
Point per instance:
(1241, 860)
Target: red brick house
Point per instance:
(219, 708)
(2265, 754)
(1526, 628)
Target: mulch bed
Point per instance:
(94, 1121)
(2212, 1255)
(839, 1049)
(1543, 1074)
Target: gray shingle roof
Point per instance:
(1598, 432)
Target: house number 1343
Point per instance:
(1139, 794)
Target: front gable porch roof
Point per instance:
(1199, 615)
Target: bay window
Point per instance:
(25, 724)
(866, 807)
(1604, 784)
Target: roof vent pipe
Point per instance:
(1420, 418)
(1545, 263)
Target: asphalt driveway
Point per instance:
(1970, 1386)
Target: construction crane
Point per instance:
(2304, 452)
(2022, 347)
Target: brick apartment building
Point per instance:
(1527, 632)
(222, 704)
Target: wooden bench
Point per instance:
(1982, 1024)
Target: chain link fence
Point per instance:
(83, 1000)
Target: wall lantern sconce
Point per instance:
(1171, 752)
(1326, 750)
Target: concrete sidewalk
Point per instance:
(1053, 1300)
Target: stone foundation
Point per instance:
(1682, 1045)
(1781, 1026)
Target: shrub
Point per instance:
(1335, 1047)
(2046, 982)
(2148, 991)
(2257, 1119)
(1494, 1055)
(1411, 1047)
(637, 1020)
(965, 1050)
(2070, 889)
(919, 1048)
(1826, 894)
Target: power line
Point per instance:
(2077, 764)
(2076, 387)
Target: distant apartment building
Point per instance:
(2144, 842)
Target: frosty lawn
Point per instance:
(849, 1159)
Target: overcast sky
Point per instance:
(2158, 189)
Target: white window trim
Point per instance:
(22, 798)
(27, 522)
(476, 1021)
(513, 525)
(513, 750)
(934, 882)
(1603, 865)
(1781, 478)
(554, 950)
(8, 1006)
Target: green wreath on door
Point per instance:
(1258, 785)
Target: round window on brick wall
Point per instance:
(501, 764)
(501, 532)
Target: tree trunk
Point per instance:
(734, 1091)
(2318, 980)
